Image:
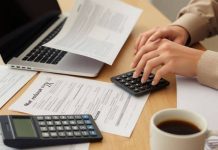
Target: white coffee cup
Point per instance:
(162, 140)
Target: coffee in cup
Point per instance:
(177, 129)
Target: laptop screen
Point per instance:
(22, 21)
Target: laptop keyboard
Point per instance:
(44, 54)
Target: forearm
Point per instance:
(199, 19)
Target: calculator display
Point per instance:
(24, 127)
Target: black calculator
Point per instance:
(134, 85)
(48, 130)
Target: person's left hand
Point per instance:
(172, 57)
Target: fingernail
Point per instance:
(134, 75)
(142, 80)
(153, 83)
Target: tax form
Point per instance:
(114, 110)
(11, 81)
(97, 29)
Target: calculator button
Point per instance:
(137, 85)
(47, 117)
(90, 127)
(43, 129)
(82, 127)
(45, 134)
(59, 128)
(57, 123)
(92, 133)
(85, 133)
(75, 128)
(138, 80)
(55, 117)
(49, 123)
(53, 134)
(69, 133)
(124, 76)
(72, 122)
(136, 90)
(127, 84)
(70, 117)
(129, 74)
(40, 118)
(62, 134)
(41, 123)
(118, 78)
(51, 128)
(128, 79)
(77, 117)
(149, 81)
(151, 76)
(122, 81)
(87, 122)
(131, 87)
(77, 133)
(80, 122)
(142, 88)
(65, 122)
(148, 86)
(132, 81)
(85, 116)
(63, 117)
(67, 128)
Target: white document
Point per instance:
(84, 146)
(97, 29)
(114, 110)
(11, 81)
(193, 96)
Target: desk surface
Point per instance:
(165, 98)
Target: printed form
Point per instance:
(97, 29)
(11, 81)
(114, 110)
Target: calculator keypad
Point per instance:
(134, 85)
(66, 126)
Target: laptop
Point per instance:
(25, 26)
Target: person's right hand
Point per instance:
(173, 33)
(165, 57)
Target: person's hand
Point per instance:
(169, 56)
(176, 34)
